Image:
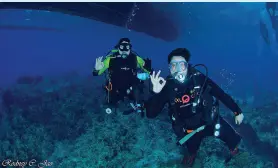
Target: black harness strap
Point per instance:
(200, 100)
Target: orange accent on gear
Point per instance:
(109, 87)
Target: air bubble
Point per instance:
(229, 79)
(130, 19)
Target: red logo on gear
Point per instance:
(185, 99)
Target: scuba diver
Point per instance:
(269, 25)
(272, 11)
(124, 79)
(193, 101)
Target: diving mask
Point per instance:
(178, 70)
(124, 47)
(178, 66)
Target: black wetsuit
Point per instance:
(122, 81)
(123, 73)
(186, 118)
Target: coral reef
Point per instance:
(61, 120)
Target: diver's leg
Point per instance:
(137, 95)
(192, 144)
(136, 105)
(139, 100)
(229, 136)
(112, 100)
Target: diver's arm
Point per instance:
(220, 94)
(105, 66)
(141, 64)
(155, 104)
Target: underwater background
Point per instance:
(51, 105)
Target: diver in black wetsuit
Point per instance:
(272, 13)
(123, 80)
(271, 8)
(193, 105)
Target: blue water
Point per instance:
(222, 36)
(218, 40)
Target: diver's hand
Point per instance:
(99, 64)
(155, 79)
(239, 118)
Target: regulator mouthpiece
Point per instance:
(180, 76)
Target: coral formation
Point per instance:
(62, 121)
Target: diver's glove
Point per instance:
(143, 76)
(157, 81)
(99, 64)
(239, 118)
